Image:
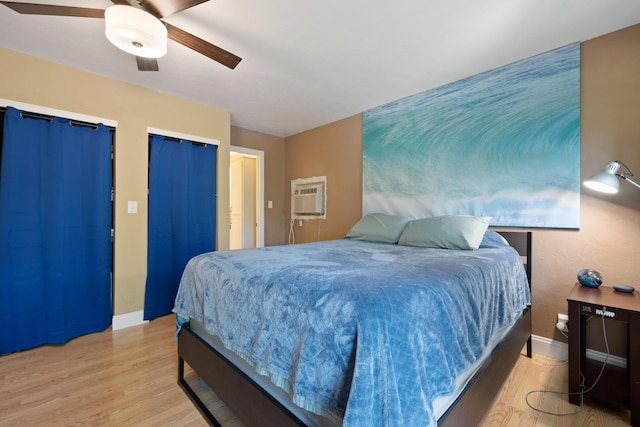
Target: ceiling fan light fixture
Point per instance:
(135, 31)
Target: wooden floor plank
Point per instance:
(129, 378)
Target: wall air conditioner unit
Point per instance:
(308, 199)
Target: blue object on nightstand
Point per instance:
(589, 278)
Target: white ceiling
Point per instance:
(308, 63)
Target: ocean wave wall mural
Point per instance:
(503, 144)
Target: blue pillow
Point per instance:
(493, 239)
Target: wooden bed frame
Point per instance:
(255, 407)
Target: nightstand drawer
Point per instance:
(612, 313)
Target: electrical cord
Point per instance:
(582, 391)
(292, 234)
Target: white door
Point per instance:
(242, 180)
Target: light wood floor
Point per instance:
(129, 378)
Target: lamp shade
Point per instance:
(135, 31)
(605, 181)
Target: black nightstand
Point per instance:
(617, 385)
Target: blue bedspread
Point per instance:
(366, 332)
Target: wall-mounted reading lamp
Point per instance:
(607, 181)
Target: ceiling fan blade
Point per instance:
(207, 49)
(46, 9)
(147, 64)
(167, 7)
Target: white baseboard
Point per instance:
(559, 350)
(550, 348)
(122, 321)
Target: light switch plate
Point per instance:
(132, 207)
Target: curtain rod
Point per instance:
(73, 122)
(179, 141)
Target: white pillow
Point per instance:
(378, 227)
(446, 232)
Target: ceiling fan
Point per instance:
(135, 27)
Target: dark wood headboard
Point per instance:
(521, 242)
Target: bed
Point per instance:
(366, 346)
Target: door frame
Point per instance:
(259, 156)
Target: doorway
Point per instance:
(246, 195)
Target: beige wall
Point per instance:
(310, 153)
(273, 148)
(35, 81)
(609, 237)
(334, 151)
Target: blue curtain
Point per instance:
(55, 231)
(182, 215)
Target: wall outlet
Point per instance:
(562, 322)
